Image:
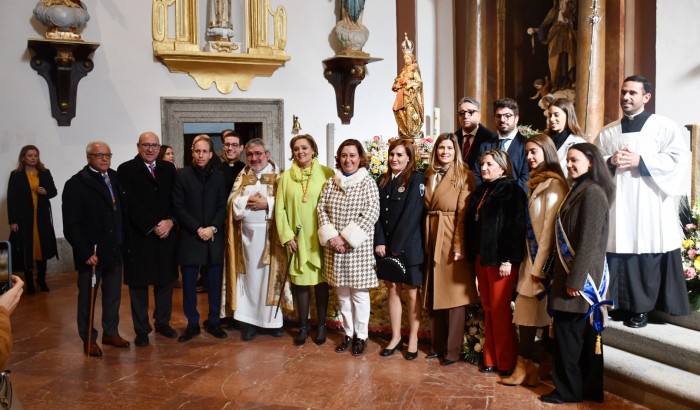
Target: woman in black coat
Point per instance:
(582, 224)
(29, 214)
(495, 221)
(397, 233)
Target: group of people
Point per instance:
(494, 213)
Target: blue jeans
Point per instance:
(189, 293)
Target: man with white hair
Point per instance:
(92, 224)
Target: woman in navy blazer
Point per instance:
(398, 233)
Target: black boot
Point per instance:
(320, 334)
(303, 334)
(41, 275)
(29, 281)
(302, 295)
(321, 292)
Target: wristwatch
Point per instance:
(213, 228)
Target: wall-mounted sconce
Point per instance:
(62, 64)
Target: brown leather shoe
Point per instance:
(95, 350)
(115, 341)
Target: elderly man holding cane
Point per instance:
(92, 217)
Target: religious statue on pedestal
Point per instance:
(350, 31)
(408, 85)
(220, 29)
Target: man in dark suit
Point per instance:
(92, 224)
(150, 238)
(469, 114)
(509, 139)
(199, 201)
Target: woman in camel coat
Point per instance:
(449, 280)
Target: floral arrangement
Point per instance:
(377, 153)
(424, 147)
(690, 252)
(472, 348)
(527, 131)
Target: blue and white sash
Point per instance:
(594, 295)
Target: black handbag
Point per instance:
(548, 267)
(391, 269)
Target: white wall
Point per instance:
(678, 60)
(120, 98)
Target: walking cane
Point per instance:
(92, 302)
(289, 266)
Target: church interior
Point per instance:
(272, 69)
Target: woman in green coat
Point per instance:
(297, 224)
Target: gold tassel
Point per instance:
(551, 329)
(598, 349)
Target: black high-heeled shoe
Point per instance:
(411, 355)
(343, 346)
(389, 351)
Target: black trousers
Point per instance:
(110, 279)
(578, 371)
(163, 296)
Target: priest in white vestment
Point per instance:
(254, 259)
(650, 160)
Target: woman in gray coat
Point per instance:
(581, 230)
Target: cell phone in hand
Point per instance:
(5, 266)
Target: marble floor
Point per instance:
(50, 371)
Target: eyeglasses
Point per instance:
(255, 154)
(506, 116)
(231, 145)
(147, 146)
(100, 155)
(469, 112)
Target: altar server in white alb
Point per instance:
(649, 157)
(254, 258)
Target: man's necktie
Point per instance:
(105, 177)
(152, 168)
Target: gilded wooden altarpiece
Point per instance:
(183, 52)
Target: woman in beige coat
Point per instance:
(547, 188)
(449, 280)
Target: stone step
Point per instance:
(650, 383)
(666, 343)
(691, 321)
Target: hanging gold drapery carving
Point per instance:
(183, 53)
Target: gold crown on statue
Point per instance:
(407, 45)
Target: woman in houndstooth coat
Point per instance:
(347, 211)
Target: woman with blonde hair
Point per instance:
(495, 221)
(29, 190)
(397, 236)
(449, 284)
(547, 188)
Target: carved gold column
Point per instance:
(590, 67)
(476, 50)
